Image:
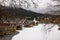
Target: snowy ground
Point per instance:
(38, 33)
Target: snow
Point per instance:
(39, 32)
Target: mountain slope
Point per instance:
(20, 12)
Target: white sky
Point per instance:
(44, 6)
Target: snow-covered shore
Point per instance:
(38, 33)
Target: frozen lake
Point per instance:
(39, 32)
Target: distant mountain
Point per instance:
(21, 12)
(39, 6)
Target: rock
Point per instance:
(29, 24)
(19, 28)
(59, 29)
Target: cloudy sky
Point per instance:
(40, 6)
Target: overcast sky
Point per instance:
(40, 6)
